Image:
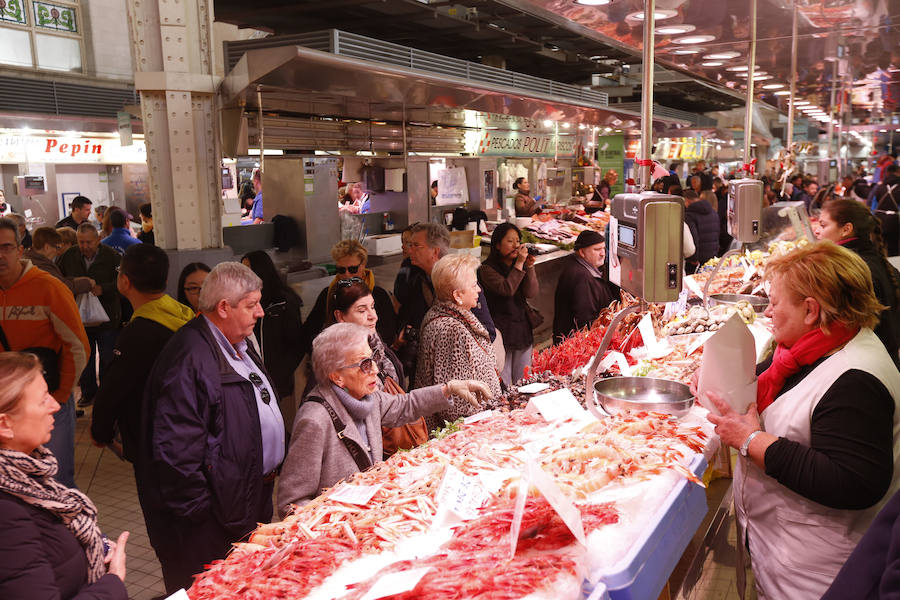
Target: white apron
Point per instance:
(797, 546)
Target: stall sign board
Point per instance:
(74, 149)
(611, 156)
(520, 143)
(452, 187)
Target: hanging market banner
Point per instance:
(611, 156)
(15, 148)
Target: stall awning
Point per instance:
(299, 80)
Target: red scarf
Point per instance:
(787, 361)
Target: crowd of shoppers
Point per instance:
(201, 393)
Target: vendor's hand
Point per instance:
(529, 262)
(97, 290)
(521, 253)
(468, 390)
(117, 557)
(731, 427)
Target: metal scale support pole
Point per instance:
(748, 117)
(647, 68)
(790, 127)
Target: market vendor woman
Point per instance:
(347, 401)
(525, 204)
(819, 458)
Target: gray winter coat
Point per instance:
(317, 458)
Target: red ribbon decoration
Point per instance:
(643, 163)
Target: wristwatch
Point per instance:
(746, 445)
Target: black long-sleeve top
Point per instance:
(849, 463)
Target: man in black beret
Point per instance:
(582, 291)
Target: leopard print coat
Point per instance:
(453, 344)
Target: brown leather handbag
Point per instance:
(404, 437)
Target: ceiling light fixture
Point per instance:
(548, 123)
(762, 77)
(713, 63)
(592, 2)
(782, 92)
(723, 55)
(738, 69)
(675, 29)
(694, 39)
(801, 103)
(659, 14)
(773, 86)
(688, 51)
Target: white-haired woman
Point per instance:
(347, 401)
(52, 546)
(453, 344)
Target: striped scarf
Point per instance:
(29, 477)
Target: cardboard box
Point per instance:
(383, 245)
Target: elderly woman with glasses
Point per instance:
(453, 343)
(350, 258)
(337, 431)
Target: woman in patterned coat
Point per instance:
(453, 344)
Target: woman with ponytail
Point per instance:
(849, 223)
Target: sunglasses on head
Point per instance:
(352, 269)
(348, 282)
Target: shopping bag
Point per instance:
(92, 312)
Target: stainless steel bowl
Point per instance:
(618, 394)
(759, 304)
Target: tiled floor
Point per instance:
(110, 484)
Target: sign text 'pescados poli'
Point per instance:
(520, 143)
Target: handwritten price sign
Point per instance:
(461, 494)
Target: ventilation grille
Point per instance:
(366, 48)
(696, 120)
(57, 98)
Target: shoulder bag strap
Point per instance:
(889, 193)
(362, 461)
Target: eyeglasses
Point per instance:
(192, 289)
(366, 365)
(8, 248)
(256, 380)
(348, 282)
(352, 269)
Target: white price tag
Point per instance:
(692, 285)
(354, 494)
(179, 595)
(478, 417)
(533, 388)
(559, 404)
(563, 506)
(624, 367)
(460, 493)
(749, 272)
(645, 326)
(396, 583)
(518, 511)
(699, 342)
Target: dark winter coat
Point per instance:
(872, 570)
(280, 337)
(703, 222)
(579, 298)
(103, 271)
(78, 285)
(119, 400)
(888, 328)
(201, 451)
(40, 559)
(407, 273)
(507, 290)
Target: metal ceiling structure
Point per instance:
(519, 36)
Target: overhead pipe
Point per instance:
(645, 164)
(748, 117)
(794, 44)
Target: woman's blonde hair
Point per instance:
(838, 279)
(345, 248)
(17, 369)
(710, 196)
(447, 274)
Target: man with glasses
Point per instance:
(42, 254)
(213, 438)
(38, 314)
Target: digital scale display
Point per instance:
(627, 236)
